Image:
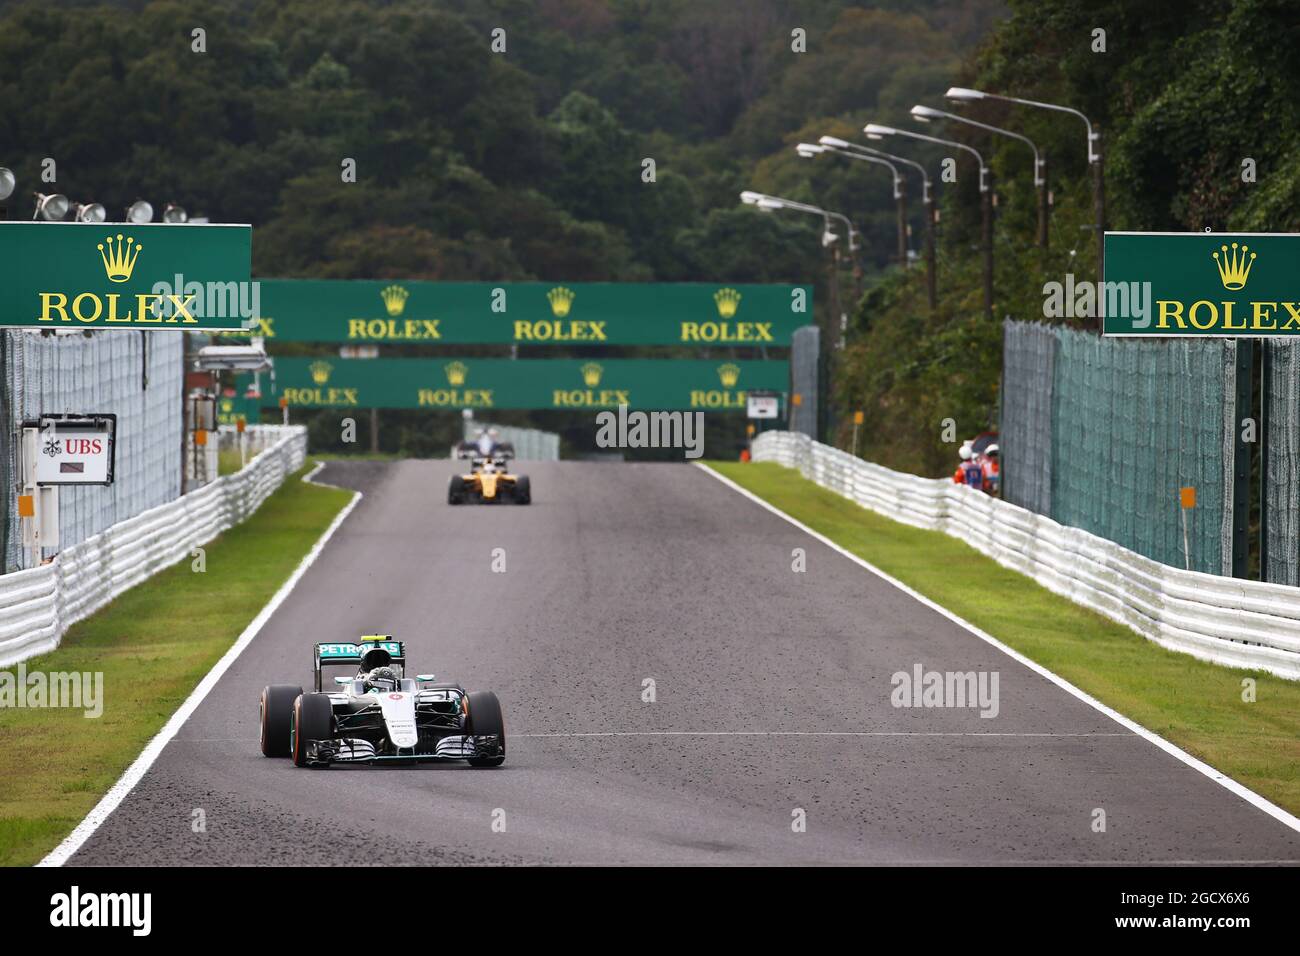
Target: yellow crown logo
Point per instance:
(1234, 267)
(729, 375)
(119, 260)
(227, 405)
(591, 373)
(456, 372)
(561, 300)
(728, 301)
(320, 372)
(394, 299)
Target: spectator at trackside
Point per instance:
(969, 471)
(991, 470)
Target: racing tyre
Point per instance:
(456, 490)
(523, 490)
(313, 719)
(485, 720)
(276, 712)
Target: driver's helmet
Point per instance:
(494, 433)
(382, 679)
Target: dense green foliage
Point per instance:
(470, 164)
(1184, 93)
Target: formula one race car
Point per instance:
(471, 449)
(379, 714)
(489, 481)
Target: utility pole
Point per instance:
(1042, 203)
(931, 286)
(987, 227)
(1099, 208)
(900, 190)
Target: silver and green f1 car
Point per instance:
(380, 714)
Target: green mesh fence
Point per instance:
(1282, 463)
(1130, 424)
(1025, 435)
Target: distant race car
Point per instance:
(489, 481)
(379, 714)
(471, 449)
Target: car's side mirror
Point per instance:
(343, 680)
(424, 677)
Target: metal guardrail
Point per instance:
(1229, 621)
(38, 605)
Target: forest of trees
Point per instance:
(528, 163)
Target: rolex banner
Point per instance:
(1201, 283)
(533, 313)
(659, 384)
(64, 275)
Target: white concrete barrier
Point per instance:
(37, 606)
(1229, 621)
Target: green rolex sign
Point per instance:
(57, 275)
(231, 410)
(1201, 283)
(398, 312)
(458, 383)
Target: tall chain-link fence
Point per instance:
(137, 377)
(1103, 433)
(805, 359)
(1282, 463)
(1025, 436)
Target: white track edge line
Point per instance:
(1222, 779)
(140, 766)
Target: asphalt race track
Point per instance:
(773, 693)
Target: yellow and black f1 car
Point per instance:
(489, 481)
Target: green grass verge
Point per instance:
(1196, 705)
(229, 462)
(153, 645)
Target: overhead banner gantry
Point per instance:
(665, 384)
(531, 313)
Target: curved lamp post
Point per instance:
(809, 150)
(927, 201)
(927, 113)
(962, 94)
(771, 203)
(986, 197)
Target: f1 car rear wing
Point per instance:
(346, 653)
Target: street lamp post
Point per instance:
(926, 113)
(927, 200)
(1094, 158)
(771, 203)
(808, 150)
(986, 197)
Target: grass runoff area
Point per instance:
(1193, 704)
(153, 645)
